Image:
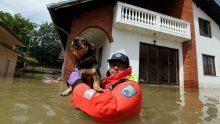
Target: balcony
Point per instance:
(141, 20)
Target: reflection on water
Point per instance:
(27, 100)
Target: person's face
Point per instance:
(116, 67)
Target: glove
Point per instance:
(75, 75)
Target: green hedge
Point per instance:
(38, 70)
(41, 70)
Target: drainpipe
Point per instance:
(63, 65)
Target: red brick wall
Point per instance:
(189, 49)
(174, 9)
(168, 7)
(98, 18)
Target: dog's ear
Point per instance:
(89, 44)
(85, 41)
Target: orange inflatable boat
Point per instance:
(119, 99)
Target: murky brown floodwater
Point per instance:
(28, 101)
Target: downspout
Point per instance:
(63, 65)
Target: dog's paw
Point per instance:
(96, 87)
(99, 90)
(67, 92)
(64, 94)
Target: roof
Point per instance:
(7, 36)
(62, 13)
(211, 8)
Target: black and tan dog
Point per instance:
(84, 53)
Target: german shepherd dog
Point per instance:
(84, 53)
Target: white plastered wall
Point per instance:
(208, 46)
(129, 43)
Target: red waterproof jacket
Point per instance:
(120, 99)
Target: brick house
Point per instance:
(8, 50)
(171, 42)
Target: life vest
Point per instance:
(122, 102)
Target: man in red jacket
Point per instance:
(120, 98)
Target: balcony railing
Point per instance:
(126, 14)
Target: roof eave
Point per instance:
(17, 40)
(61, 18)
(211, 8)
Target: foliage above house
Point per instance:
(42, 45)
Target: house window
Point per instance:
(208, 65)
(204, 28)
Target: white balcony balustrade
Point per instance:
(145, 21)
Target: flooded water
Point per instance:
(28, 101)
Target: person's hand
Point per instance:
(47, 81)
(75, 75)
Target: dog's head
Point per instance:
(80, 46)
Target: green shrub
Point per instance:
(41, 69)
